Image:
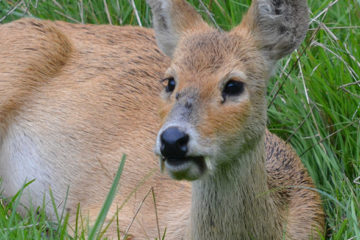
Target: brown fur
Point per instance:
(74, 98)
(79, 114)
(291, 189)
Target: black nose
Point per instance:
(174, 143)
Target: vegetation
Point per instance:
(314, 99)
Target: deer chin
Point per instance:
(189, 168)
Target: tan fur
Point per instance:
(74, 117)
(75, 98)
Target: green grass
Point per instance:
(314, 103)
(35, 225)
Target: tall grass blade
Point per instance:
(109, 199)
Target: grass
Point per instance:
(35, 224)
(314, 103)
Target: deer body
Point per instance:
(75, 98)
(69, 112)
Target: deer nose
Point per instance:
(174, 143)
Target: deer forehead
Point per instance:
(204, 59)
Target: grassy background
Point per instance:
(314, 103)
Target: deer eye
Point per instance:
(170, 86)
(232, 88)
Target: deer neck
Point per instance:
(234, 202)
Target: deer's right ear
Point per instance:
(277, 26)
(171, 20)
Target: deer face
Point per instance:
(214, 104)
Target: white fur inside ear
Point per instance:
(264, 7)
(281, 25)
(171, 19)
(166, 36)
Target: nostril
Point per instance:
(174, 143)
(183, 140)
(182, 143)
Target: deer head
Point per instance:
(214, 106)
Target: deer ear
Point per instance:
(277, 26)
(171, 20)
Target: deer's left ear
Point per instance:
(172, 19)
(277, 26)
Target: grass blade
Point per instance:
(109, 199)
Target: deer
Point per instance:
(74, 98)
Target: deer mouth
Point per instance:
(180, 161)
(189, 168)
